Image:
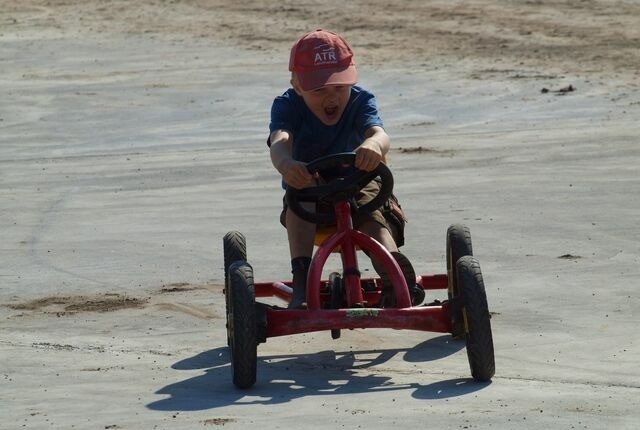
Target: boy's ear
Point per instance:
(296, 85)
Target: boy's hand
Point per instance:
(295, 174)
(368, 155)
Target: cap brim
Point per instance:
(321, 77)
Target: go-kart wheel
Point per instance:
(345, 182)
(235, 248)
(337, 298)
(242, 324)
(458, 245)
(476, 317)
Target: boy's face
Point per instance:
(326, 103)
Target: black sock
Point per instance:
(300, 268)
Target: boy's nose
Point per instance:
(332, 95)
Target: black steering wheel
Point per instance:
(344, 186)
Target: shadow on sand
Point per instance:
(283, 378)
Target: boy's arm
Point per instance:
(293, 172)
(372, 151)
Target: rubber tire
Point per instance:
(234, 247)
(458, 245)
(337, 298)
(242, 324)
(478, 336)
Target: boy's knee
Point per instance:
(380, 233)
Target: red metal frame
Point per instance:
(359, 292)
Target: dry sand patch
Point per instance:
(62, 305)
(524, 39)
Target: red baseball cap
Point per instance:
(322, 58)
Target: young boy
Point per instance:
(325, 113)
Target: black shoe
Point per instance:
(298, 298)
(417, 295)
(388, 296)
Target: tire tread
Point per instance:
(244, 336)
(479, 338)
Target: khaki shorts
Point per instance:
(390, 215)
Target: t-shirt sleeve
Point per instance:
(283, 115)
(368, 114)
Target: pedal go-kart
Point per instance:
(345, 300)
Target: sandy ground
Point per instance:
(132, 138)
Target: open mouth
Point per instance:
(331, 111)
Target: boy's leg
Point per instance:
(301, 234)
(380, 227)
(382, 235)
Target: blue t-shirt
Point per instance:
(313, 139)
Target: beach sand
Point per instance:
(132, 138)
